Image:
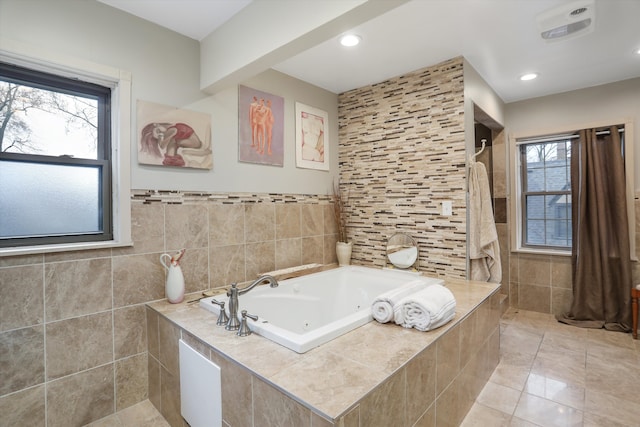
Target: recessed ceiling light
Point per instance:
(638, 51)
(350, 40)
(528, 76)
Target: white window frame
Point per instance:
(119, 81)
(515, 205)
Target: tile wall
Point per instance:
(458, 365)
(247, 400)
(435, 388)
(402, 152)
(73, 335)
(542, 283)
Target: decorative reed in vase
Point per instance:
(343, 247)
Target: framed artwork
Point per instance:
(312, 141)
(260, 127)
(169, 136)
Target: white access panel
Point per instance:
(200, 389)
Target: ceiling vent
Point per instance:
(567, 21)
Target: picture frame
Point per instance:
(312, 137)
(260, 127)
(173, 137)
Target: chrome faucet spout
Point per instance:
(262, 279)
(233, 324)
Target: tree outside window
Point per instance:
(55, 165)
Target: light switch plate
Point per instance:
(447, 208)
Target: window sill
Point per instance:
(555, 252)
(85, 246)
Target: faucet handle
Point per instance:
(222, 318)
(244, 328)
(231, 289)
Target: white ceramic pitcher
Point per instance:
(174, 287)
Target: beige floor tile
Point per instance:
(561, 370)
(547, 413)
(522, 339)
(606, 352)
(511, 376)
(613, 377)
(559, 328)
(612, 407)
(618, 339)
(503, 327)
(565, 373)
(559, 340)
(110, 421)
(562, 355)
(482, 416)
(519, 422)
(538, 322)
(143, 414)
(509, 315)
(514, 358)
(499, 397)
(593, 420)
(555, 390)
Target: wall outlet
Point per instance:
(447, 208)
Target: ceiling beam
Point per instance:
(266, 33)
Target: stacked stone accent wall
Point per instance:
(401, 153)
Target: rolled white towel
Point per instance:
(382, 306)
(426, 309)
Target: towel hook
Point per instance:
(473, 157)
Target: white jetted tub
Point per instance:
(308, 311)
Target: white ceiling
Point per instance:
(192, 18)
(499, 38)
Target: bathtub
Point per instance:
(305, 312)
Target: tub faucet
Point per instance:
(234, 324)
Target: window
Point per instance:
(546, 193)
(542, 202)
(55, 159)
(63, 144)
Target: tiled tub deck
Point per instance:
(376, 375)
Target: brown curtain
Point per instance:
(600, 257)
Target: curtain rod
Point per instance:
(558, 137)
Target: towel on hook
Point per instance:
(484, 249)
(427, 309)
(382, 307)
